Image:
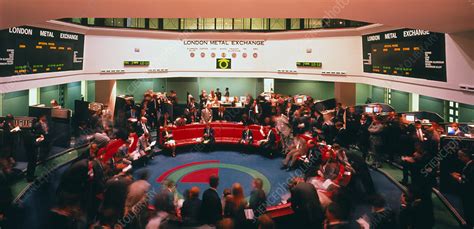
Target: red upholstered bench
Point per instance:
(224, 133)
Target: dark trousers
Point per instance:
(468, 208)
(32, 156)
(44, 149)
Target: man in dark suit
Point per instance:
(269, 140)
(466, 179)
(142, 126)
(211, 208)
(418, 134)
(247, 136)
(29, 142)
(342, 135)
(218, 94)
(258, 198)
(305, 203)
(208, 136)
(41, 130)
(191, 208)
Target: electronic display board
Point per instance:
(410, 53)
(29, 50)
(309, 64)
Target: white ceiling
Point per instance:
(447, 16)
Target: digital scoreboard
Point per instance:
(410, 53)
(29, 50)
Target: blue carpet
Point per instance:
(269, 168)
(35, 206)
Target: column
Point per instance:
(414, 102)
(33, 96)
(345, 93)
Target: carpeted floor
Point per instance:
(194, 169)
(190, 169)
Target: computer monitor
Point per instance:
(369, 110)
(410, 118)
(377, 109)
(451, 131)
(299, 100)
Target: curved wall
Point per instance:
(337, 50)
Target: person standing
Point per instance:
(376, 141)
(305, 203)
(227, 93)
(41, 129)
(191, 208)
(29, 142)
(211, 208)
(206, 114)
(258, 198)
(218, 94)
(466, 179)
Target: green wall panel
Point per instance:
(237, 86)
(315, 89)
(135, 87)
(15, 103)
(432, 104)
(363, 91)
(90, 91)
(73, 92)
(49, 93)
(378, 94)
(466, 113)
(400, 101)
(182, 86)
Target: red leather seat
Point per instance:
(224, 133)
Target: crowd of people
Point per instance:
(98, 191)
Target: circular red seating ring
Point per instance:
(224, 133)
(231, 133)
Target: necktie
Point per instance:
(420, 134)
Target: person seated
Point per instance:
(298, 149)
(247, 136)
(181, 120)
(192, 116)
(246, 120)
(142, 126)
(168, 140)
(455, 130)
(220, 114)
(268, 141)
(144, 144)
(208, 137)
(206, 114)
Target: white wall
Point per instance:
(339, 53)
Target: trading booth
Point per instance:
(59, 120)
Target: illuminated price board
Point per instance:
(30, 50)
(136, 63)
(309, 64)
